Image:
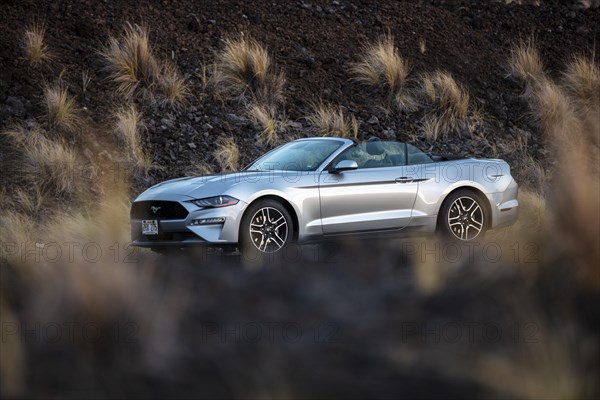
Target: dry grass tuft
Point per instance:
(448, 104)
(203, 78)
(582, 81)
(576, 217)
(130, 62)
(574, 107)
(327, 121)
(34, 46)
(383, 67)
(431, 127)
(200, 168)
(545, 370)
(422, 46)
(17, 227)
(564, 119)
(526, 64)
(556, 113)
(244, 70)
(28, 203)
(172, 85)
(585, 4)
(227, 154)
(128, 126)
(440, 88)
(85, 81)
(265, 119)
(48, 166)
(405, 100)
(61, 109)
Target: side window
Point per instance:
(396, 153)
(375, 154)
(385, 154)
(416, 156)
(355, 153)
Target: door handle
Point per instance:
(404, 179)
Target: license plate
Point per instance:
(150, 227)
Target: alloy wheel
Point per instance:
(268, 230)
(465, 218)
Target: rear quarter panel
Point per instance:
(441, 178)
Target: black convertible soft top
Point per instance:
(445, 157)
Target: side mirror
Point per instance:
(344, 165)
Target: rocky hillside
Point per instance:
(314, 43)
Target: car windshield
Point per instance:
(303, 155)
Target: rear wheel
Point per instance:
(266, 228)
(463, 216)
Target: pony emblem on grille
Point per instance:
(154, 209)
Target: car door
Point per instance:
(376, 196)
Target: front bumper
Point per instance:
(181, 232)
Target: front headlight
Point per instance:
(217, 201)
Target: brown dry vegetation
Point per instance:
(34, 44)
(244, 70)
(448, 104)
(581, 81)
(266, 121)
(526, 64)
(49, 165)
(327, 121)
(134, 69)
(382, 66)
(559, 218)
(61, 109)
(574, 201)
(564, 112)
(200, 168)
(128, 127)
(172, 85)
(227, 154)
(130, 61)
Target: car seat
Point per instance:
(375, 148)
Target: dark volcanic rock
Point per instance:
(313, 42)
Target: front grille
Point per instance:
(164, 210)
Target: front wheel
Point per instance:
(463, 216)
(267, 227)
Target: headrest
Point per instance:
(374, 146)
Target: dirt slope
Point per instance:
(314, 42)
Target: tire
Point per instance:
(463, 216)
(259, 238)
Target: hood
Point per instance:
(207, 185)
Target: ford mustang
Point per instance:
(319, 188)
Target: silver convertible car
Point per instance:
(318, 188)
